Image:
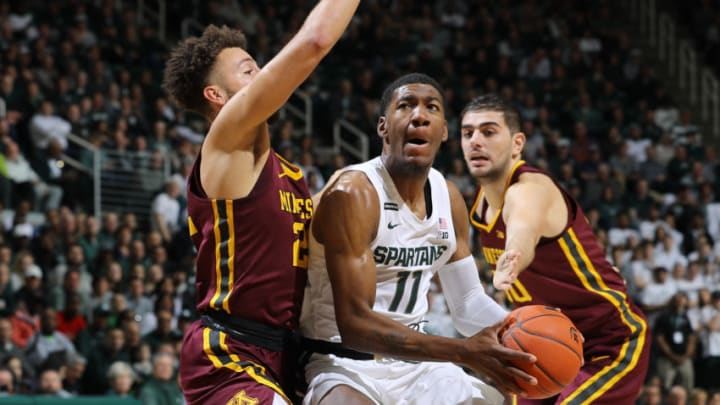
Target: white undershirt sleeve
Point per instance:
(472, 310)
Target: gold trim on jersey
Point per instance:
(630, 351)
(289, 169)
(224, 230)
(215, 347)
(475, 217)
(192, 229)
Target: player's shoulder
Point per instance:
(348, 186)
(351, 180)
(533, 186)
(539, 178)
(351, 196)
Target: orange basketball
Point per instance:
(552, 337)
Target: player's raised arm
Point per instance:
(215, 75)
(277, 80)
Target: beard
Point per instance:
(406, 167)
(496, 172)
(491, 175)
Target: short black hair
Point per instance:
(493, 102)
(410, 78)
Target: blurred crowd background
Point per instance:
(95, 301)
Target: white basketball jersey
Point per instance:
(407, 252)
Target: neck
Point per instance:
(408, 180)
(494, 188)
(412, 190)
(494, 193)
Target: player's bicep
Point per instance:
(353, 283)
(526, 208)
(345, 223)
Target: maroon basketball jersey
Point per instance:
(252, 251)
(569, 271)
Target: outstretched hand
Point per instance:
(506, 270)
(493, 361)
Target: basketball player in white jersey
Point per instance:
(381, 231)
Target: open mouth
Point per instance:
(479, 159)
(417, 141)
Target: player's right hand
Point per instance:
(492, 360)
(506, 270)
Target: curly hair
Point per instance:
(187, 69)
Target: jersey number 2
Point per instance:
(403, 277)
(300, 246)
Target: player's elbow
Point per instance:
(321, 42)
(347, 332)
(314, 45)
(350, 329)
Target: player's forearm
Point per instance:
(382, 336)
(327, 21)
(523, 240)
(470, 307)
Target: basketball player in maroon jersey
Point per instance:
(543, 251)
(248, 210)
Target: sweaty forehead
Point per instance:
(478, 118)
(421, 90)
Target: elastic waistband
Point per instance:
(248, 331)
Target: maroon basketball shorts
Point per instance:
(215, 369)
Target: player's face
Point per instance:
(234, 68)
(490, 149)
(413, 127)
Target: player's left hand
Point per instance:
(506, 270)
(494, 362)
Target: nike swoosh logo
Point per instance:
(392, 226)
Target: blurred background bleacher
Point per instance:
(619, 99)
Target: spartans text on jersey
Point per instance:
(408, 256)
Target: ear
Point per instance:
(214, 95)
(382, 127)
(518, 141)
(445, 132)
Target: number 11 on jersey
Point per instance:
(403, 277)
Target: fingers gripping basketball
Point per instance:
(552, 337)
